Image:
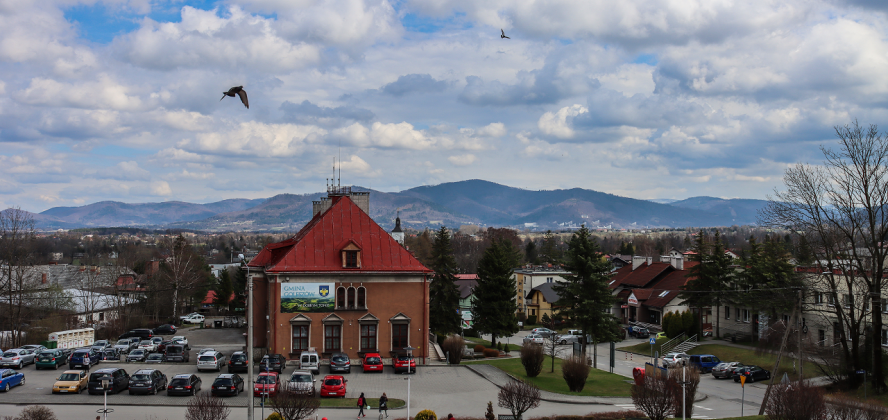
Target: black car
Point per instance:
(110, 354)
(752, 374)
(229, 384)
(176, 353)
(117, 378)
(147, 381)
(238, 362)
(272, 363)
(184, 384)
(167, 329)
(141, 333)
(339, 362)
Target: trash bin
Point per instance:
(217, 323)
(733, 338)
(202, 324)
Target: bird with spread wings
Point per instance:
(503, 34)
(239, 91)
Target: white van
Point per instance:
(309, 360)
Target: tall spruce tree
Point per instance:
(443, 292)
(769, 281)
(495, 305)
(708, 279)
(584, 296)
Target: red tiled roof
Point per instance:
(211, 295)
(317, 247)
(641, 276)
(673, 282)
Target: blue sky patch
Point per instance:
(650, 59)
(99, 23)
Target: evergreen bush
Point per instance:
(426, 415)
(531, 320)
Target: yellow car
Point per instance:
(71, 382)
(661, 335)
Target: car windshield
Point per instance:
(140, 377)
(46, 353)
(123, 342)
(300, 378)
(340, 359)
(137, 352)
(373, 361)
(69, 377)
(222, 381)
(404, 358)
(110, 352)
(332, 381)
(265, 380)
(179, 382)
(207, 358)
(78, 354)
(174, 349)
(96, 377)
(238, 357)
(155, 356)
(10, 354)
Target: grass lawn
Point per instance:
(485, 343)
(749, 356)
(645, 347)
(353, 402)
(599, 383)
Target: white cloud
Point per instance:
(463, 160)
(161, 188)
(557, 124)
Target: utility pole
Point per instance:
(799, 326)
(795, 311)
(250, 344)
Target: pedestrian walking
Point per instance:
(383, 405)
(361, 403)
(450, 417)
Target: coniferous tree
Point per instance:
(708, 279)
(769, 280)
(584, 295)
(549, 252)
(443, 292)
(495, 304)
(531, 254)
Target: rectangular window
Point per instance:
(737, 314)
(818, 298)
(821, 337)
(351, 259)
(885, 306)
(885, 337)
(746, 315)
(846, 300)
(399, 336)
(300, 338)
(727, 312)
(101, 316)
(368, 337)
(332, 337)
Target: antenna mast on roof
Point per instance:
(339, 181)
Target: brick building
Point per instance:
(341, 284)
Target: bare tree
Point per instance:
(653, 397)
(840, 208)
(182, 271)
(519, 397)
(206, 407)
(37, 412)
(796, 401)
(532, 357)
(293, 405)
(17, 280)
(691, 378)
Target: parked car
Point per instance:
(404, 363)
(148, 346)
(180, 339)
(238, 362)
(227, 384)
(660, 335)
(533, 339)
(638, 332)
(567, 338)
(194, 319)
(183, 317)
(110, 354)
(301, 382)
(125, 345)
(184, 384)
(85, 358)
(100, 345)
(17, 358)
(726, 370)
(10, 378)
(137, 355)
(672, 359)
(147, 381)
(267, 384)
(177, 353)
(50, 359)
(156, 358)
(165, 329)
(544, 332)
(141, 333)
(36, 348)
(117, 377)
(339, 362)
(71, 382)
(752, 374)
(210, 360)
(703, 362)
(372, 363)
(272, 363)
(333, 386)
(309, 360)
(161, 348)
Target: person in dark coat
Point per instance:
(383, 404)
(361, 403)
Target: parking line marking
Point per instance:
(699, 406)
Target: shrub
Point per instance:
(491, 353)
(531, 319)
(499, 346)
(546, 320)
(615, 415)
(489, 414)
(206, 407)
(575, 371)
(274, 416)
(532, 358)
(568, 417)
(507, 348)
(426, 415)
(519, 397)
(796, 401)
(653, 397)
(846, 408)
(37, 412)
(522, 317)
(479, 348)
(453, 347)
(692, 376)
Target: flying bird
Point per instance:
(503, 34)
(239, 91)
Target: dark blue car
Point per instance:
(10, 378)
(85, 358)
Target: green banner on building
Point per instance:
(306, 297)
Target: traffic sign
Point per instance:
(742, 380)
(653, 340)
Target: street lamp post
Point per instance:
(250, 343)
(106, 382)
(409, 350)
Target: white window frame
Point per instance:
(746, 315)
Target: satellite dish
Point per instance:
(240, 256)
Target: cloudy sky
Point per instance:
(119, 100)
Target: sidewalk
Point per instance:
(500, 379)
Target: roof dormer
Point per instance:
(351, 254)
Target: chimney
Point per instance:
(637, 261)
(43, 280)
(650, 260)
(678, 263)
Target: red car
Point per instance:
(372, 363)
(404, 363)
(333, 386)
(267, 383)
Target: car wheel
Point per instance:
(6, 388)
(56, 367)
(21, 365)
(751, 379)
(563, 341)
(193, 391)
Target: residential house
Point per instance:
(530, 276)
(466, 284)
(542, 300)
(647, 290)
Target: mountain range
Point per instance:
(453, 204)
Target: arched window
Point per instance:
(362, 298)
(340, 298)
(351, 298)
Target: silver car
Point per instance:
(675, 359)
(210, 360)
(533, 338)
(137, 355)
(567, 339)
(124, 345)
(302, 382)
(18, 358)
